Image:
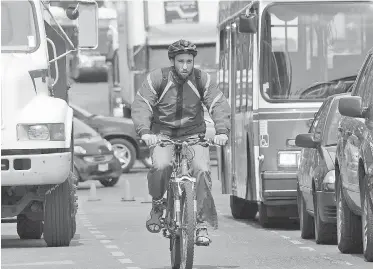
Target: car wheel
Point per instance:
(305, 220)
(367, 224)
(110, 182)
(147, 162)
(125, 152)
(348, 226)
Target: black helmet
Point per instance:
(181, 46)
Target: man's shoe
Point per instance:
(202, 237)
(153, 224)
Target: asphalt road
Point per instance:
(111, 233)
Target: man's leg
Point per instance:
(158, 178)
(206, 211)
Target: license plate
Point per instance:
(103, 167)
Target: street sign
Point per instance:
(181, 11)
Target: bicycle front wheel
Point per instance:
(188, 225)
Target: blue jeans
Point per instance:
(160, 173)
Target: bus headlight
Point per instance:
(288, 158)
(329, 181)
(46, 131)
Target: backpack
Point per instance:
(166, 71)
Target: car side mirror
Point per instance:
(351, 106)
(88, 24)
(306, 141)
(248, 23)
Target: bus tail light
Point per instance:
(288, 158)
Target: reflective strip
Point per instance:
(146, 101)
(207, 85)
(194, 89)
(215, 100)
(151, 84)
(169, 83)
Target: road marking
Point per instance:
(105, 241)
(133, 267)
(111, 246)
(274, 232)
(87, 225)
(296, 242)
(100, 235)
(285, 237)
(308, 248)
(125, 261)
(95, 232)
(117, 253)
(92, 228)
(38, 263)
(349, 263)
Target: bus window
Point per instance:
(312, 50)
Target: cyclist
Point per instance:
(169, 105)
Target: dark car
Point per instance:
(94, 157)
(354, 166)
(316, 177)
(120, 132)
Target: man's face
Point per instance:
(183, 64)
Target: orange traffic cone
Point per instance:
(93, 193)
(127, 192)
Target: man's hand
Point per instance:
(221, 139)
(150, 139)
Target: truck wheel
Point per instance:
(242, 209)
(367, 224)
(348, 226)
(125, 152)
(58, 215)
(307, 230)
(110, 182)
(29, 229)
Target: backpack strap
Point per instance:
(165, 73)
(198, 76)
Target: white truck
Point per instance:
(37, 186)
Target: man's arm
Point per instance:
(217, 105)
(145, 100)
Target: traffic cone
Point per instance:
(147, 198)
(127, 192)
(92, 193)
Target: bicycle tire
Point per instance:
(188, 223)
(174, 240)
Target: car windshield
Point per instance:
(331, 128)
(82, 130)
(18, 26)
(305, 44)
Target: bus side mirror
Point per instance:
(88, 24)
(248, 24)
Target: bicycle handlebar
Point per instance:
(190, 142)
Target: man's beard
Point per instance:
(183, 75)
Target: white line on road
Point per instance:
(133, 267)
(125, 260)
(308, 248)
(38, 263)
(111, 246)
(92, 228)
(100, 235)
(105, 241)
(95, 232)
(274, 232)
(87, 225)
(296, 242)
(285, 237)
(117, 253)
(349, 263)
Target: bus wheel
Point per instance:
(242, 209)
(263, 217)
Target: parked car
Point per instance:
(316, 175)
(94, 157)
(120, 132)
(354, 163)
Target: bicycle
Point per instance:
(179, 223)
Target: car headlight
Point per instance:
(46, 131)
(108, 145)
(328, 183)
(79, 150)
(288, 158)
